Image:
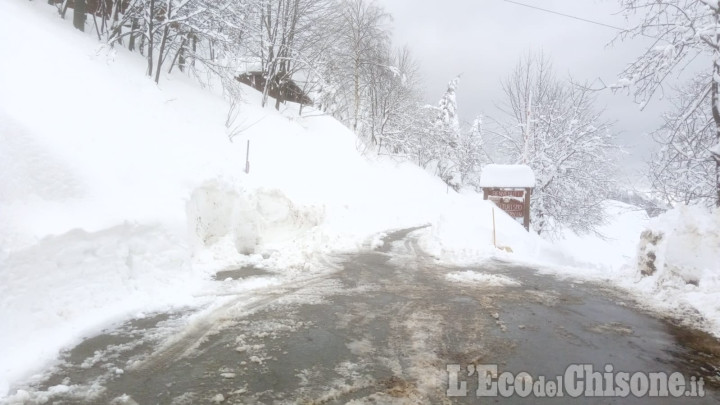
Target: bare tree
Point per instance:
(366, 41)
(683, 170)
(552, 126)
(394, 93)
(682, 30)
(359, 57)
(286, 38)
(208, 31)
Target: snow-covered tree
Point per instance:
(553, 127)
(431, 136)
(683, 170)
(447, 130)
(287, 38)
(175, 31)
(683, 31)
(447, 118)
(355, 65)
(469, 155)
(394, 96)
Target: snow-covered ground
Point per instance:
(119, 197)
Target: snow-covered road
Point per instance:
(384, 328)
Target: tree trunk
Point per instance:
(715, 107)
(150, 35)
(116, 10)
(717, 179)
(194, 49)
(356, 79)
(161, 51)
(79, 15)
(115, 25)
(64, 9)
(133, 28)
(97, 29)
(179, 58)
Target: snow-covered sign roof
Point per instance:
(507, 176)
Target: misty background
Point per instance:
(484, 40)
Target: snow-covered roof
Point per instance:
(494, 175)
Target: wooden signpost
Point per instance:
(509, 187)
(515, 202)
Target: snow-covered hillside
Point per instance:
(118, 196)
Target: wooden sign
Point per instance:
(510, 201)
(509, 187)
(514, 201)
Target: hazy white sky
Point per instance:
(484, 39)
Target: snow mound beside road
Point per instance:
(679, 260)
(685, 245)
(249, 220)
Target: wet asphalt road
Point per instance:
(382, 329)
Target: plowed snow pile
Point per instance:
(678, 261)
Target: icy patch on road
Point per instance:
(360, 347)
(484, 279)
(312, 294)
(424, 331)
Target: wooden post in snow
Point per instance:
(494, 240)
(247, 158)
(526, 220)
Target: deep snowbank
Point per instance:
(678, 261)
(68, 285)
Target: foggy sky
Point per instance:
(484, 39)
